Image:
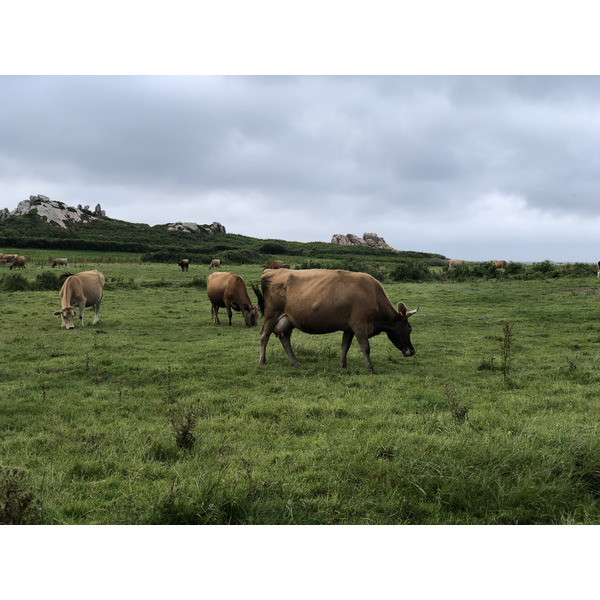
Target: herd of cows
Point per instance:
(18, 262)
(315, 301)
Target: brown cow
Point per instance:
(456, 263)
(500, 264)
(17, 263)
(227, 290)
(8, 257)
(274, 264)
(60, 262)
(83, 290)
(214, 264)
(184, 264)
(321, 301)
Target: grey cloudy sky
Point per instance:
(473, 167)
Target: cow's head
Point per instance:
(67, 315)
(399, 333)
(250, 315)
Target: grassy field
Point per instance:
(156, 416)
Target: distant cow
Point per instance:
(456, 263)
(17, 263)
(227, 290)
(8, 257)
(60, 262)
(184, 264)
(321, 301)
(500, 264)
(214, 264)
(83, 290)
(599, 269)
(274, 264)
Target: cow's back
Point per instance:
(88, 284)
(217, 284)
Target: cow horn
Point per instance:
(402, 310)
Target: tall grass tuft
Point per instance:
(16, 500)
(458, 409)
(183, 421)
(506, 348)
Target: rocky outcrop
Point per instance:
(63, 215)
(190, 227)
(56, 212)
(368, 239)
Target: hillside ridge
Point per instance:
(44, 223)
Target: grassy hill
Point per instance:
(158, 244)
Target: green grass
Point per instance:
(89, 418)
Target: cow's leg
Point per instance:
(346, 341)
(265, 334)
(81, 311)
(229, 313)
(365, 347)
(96, 311)
(214, 309)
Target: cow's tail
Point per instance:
(260, 298)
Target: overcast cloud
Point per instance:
(471, 167)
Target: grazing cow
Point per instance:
(214, 264)
(274, 264)
(17, 263)
(456, 263)
(320, 301)
(83, 290)
(500, 264)
(8, 257)
(227, 290)
(184, 264)
(60, 262)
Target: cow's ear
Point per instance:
(402, 308)
(58, 312)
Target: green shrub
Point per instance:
(514, 268)
(273, 248)
(15, 282)
(545, 268)
(47, 281)
(241, 257)
(460, 273)
(413, 270)
(310, 264)
(579, 270)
